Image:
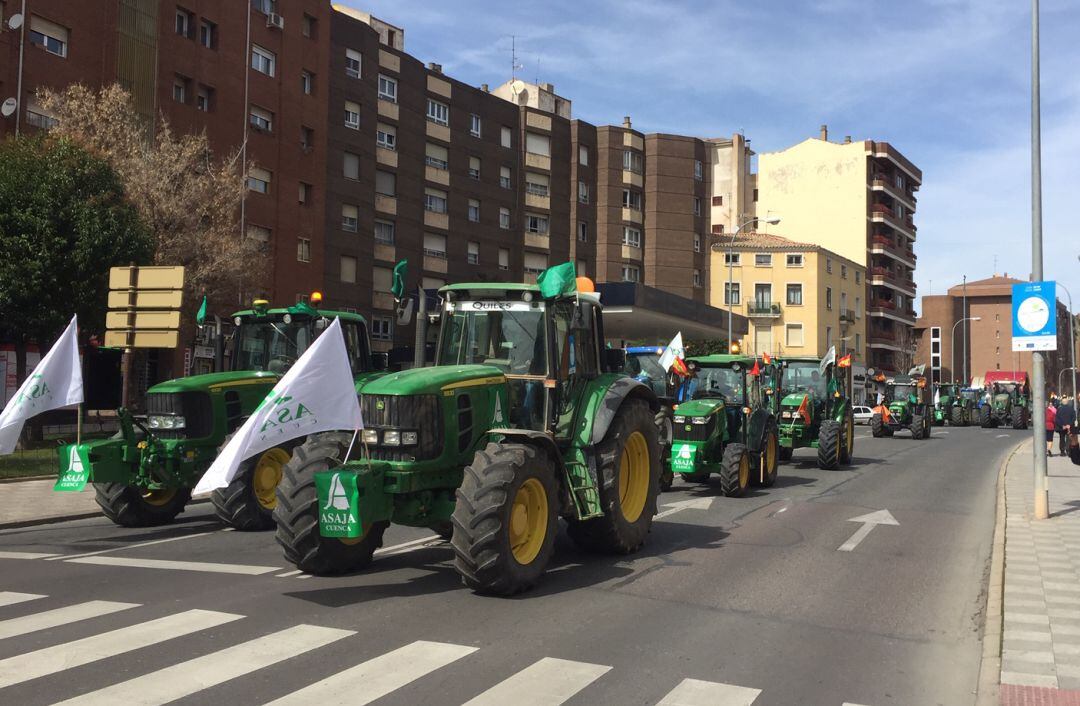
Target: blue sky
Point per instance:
(945, 81)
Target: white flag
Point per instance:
(829, 359)
(316, 394)
(674, 350)
(56, 382)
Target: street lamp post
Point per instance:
(1072, 347)
(952, 347)
(771, 220)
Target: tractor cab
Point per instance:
(815, 411)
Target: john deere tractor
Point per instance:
(525, 418)
(143, 476)
(906, 407)
(945, 397)
(816, 412)
(725, 427)
(964, 407)
(1009, 405)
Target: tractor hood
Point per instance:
(430, 381)
(699, 408)
(794, 399)
(216, 381)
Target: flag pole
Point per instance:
(78, 423)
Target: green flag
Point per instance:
(398, 286)
(557, 280)
(201, 316)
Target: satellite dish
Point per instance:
(15, 21)
(8, 107)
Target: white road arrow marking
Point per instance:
(694, 503)
(870, 520)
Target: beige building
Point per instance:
(800, 298)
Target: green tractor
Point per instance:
(816, 412)
(906, 407)
(525, 418)
(1009, 405)
(955, 405)
(143, 475)
(724, 426)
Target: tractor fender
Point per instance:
(621, 389)
(541, 440)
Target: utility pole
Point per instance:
(965, 316)
(1038, 371)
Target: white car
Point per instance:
(862, 414)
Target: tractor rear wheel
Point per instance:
(986, 417)
(847, 434)
(957, 417)
(297, 512)
(131, 506)
(918, 427)
(1018, 421)
(830, 442)
(768, 460)
(665, 433)
(248, 503)
(505, 519)
(628, 473)
(877, 426)
(735, 471)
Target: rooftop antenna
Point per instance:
(514, 65)
(538, 69)
(995, 264)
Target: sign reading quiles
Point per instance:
(1034, 316)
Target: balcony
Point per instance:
(884, 308)
(887, 277)
(880, 213)
(762, 310)
(884, 183)
(885, 245)
(847, 317)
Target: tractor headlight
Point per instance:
(786, 414)
(165, 421)
(391, 437)
(409, 438)
(371, 436)
(700, 420)
(680, 419)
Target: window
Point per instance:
(794, 260)
(263, 60)
(717, 200)
(263, 6)
(843, 271)
(582, 192)
(208, 34)
(382, 328)
(697, 242)
(755, 195)
(259, 180)
(387, 88)
(352, 115)
(203, 97)
(631, 199)
(474, 167)
(51, 37)
(474, 125)
(504, 259)
(718, 229)
(385, 183)
(631, 237)
(763, 259)
(633, 161)
(261, 119)
(184, 21)
(763, 295)
(505, 137)
(828, 297)
(631, 273)
(858, 342)
(350, 216)
(793, 335)
(504, 218)
(583, 155)
(538, 144)
(352, 63)
(259, 233)
(438, 113)
(697, 278)
(307, 82)
(307, 138)
(435, 200)
(351, 166)
(697, 206)
(843, 304)
(474, 210)
(535, 223)
(581, 268)
(828, 337)
(435, 245)
(386, 136)
(536, 184)
(382, 279)
(304, 195)
(828, 265)
(348, 269)
(504, 177)
(858, 307)
(303, 250)
(307, 25)
(731, 259)
(794, 294)
(179, 90)
(473, 253)
(535, 263)
(858, 277)
(699, 173)
(731, 293)
(384, 232)
(436, 156)
(582, 232)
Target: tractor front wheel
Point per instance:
(986, 417)
(248, 503)
(919, 427)
(735, 471)
(786, 452)
(769, 458)
(505, 519)
(957, 417)
(877, 426)
(847, 445)
(629, 483)
(131, 506)
(296, 513)
(830, 442)
(1018, 421)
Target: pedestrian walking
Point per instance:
(1066, 424)
(1051, 424)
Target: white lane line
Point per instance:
(1002, 436)
(25, 555)
(59, 616)
(695, 692)
(11, 597)
(287, 574)
(130, 546)
(379, 676)
(693, 503)
(189, 677)
(209, 567)
(408, 546)
(548, 682)
(50, 660)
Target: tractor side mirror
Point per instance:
(614, 359)
(320, 323)
(380, 361)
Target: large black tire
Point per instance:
(877, 426)
(735, 471)
(847, 439)
(665, 433)
(786, 453)
(509, 493)
(830, 441)
(297, 513)
(627, 489)
(769, 458)
(1018, 421)
(956, 418)
(919, 427)
(986, 417)
(130, 506)
(248, 503)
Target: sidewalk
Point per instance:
(33, 502)
(1040, 658)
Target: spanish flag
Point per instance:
(767, 358)
(804, 409)
(755, 371)
(678, 366)
(844, 362)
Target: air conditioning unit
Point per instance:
(275, 20)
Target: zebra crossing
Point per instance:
(547, 682)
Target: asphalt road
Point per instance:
(735, 602)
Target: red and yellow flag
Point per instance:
(767, 358)
(678, 366)
(844, 362)
(804, 409)
(755, 371)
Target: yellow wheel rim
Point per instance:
(850, 437)
(744, 471)
(528, 521)
(770, 453)
(267, 475)
(157, 498)
(634, 477)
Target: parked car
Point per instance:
(862, 414)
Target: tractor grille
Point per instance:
(194, 407)
(418, 413)
(696, 432)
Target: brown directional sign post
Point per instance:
(144, 311)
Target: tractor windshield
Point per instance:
(507, 335)
(804, 377)
(725, 383)
(902, 392)
(646, 368)
(271, 345)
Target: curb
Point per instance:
(987, 690)
(74, 516)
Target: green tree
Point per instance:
(64, 221)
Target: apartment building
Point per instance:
(858, 200)
(733, 184)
